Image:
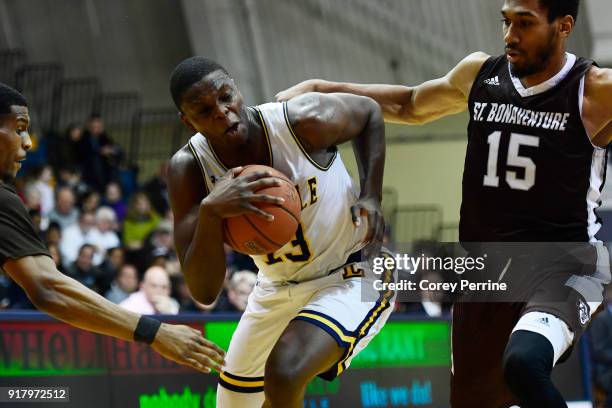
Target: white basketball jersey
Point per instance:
(326, 236)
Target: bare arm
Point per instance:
(420, 104)
(68, 300)
(325, 120)
(198, 238)
(596, 112)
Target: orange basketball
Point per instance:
(253, 235)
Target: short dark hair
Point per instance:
(10, 97)
(561, 8)
(86, 246)
(187, 73)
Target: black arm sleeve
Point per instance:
(18, 238)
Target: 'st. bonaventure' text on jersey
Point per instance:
(531, 172)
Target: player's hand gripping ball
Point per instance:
(253, 235)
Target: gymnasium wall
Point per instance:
(424, 164)
(269, 45)
(129, 45)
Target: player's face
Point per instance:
(214, 107)
(529, 38)
(14, 140)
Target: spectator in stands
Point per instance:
(114, 261)
(90, 201)
(75, 236)
(601, 343)
(16, 298)
(70, 177)
(157, 189)
(113, 198)
(43, 180)
(83, 269)
(65, 212)
(36, 221)
(183, 295)
(5, 302)
(154, 294)
(53, 235)
(103, 235)
(239, 286)
(32, 197)
(100, 156)
(124, 284)
(63, 148)
(186, 301)
(141, 220)
(160, 243)
(236, 261)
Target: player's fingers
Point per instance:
(356, 214)
(196, 365)
(371, 217)
(266, 198)
(234, 172)
(207, 361)
(283, 95)
(263, 183)
(258, 212)
(212, 346)
(210, 349)
(210, 361)
(256, 175)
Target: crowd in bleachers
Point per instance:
(108, 235)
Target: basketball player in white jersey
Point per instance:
(305, 317)
(540, 125)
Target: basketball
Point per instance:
(253, 235)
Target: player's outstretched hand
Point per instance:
(369, 208)
(233, 195)
(301, 88)
(187, 346)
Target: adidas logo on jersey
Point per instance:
(544, 321)
(492, 81)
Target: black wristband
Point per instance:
(146, 329)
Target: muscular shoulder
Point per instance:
(324, 107)
(182, 162)
(185, 180)
(315, 117)
(463, 75)
(598, 84)
(596, 114)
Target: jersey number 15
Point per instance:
(491, 179)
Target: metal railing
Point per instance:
(10, 62)
(38, 82)
(156, 135)
(73, 102)
(417, 223)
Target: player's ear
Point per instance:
(566, 25)
(186, 121)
